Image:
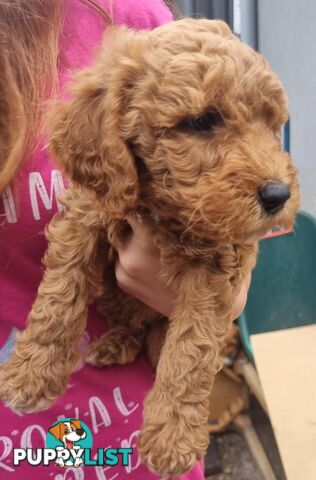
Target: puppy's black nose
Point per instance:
(273, 196)
(80, 431)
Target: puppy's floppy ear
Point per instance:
(56, 431)
(89, 133)
(76, 423)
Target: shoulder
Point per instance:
(139, 14)
(84, 26)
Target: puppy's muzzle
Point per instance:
(273, 196)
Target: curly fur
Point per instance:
(123, 141)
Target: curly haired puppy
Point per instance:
(182, 123)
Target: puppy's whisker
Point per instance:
(164, 180)
(187, 230)
(191, 222)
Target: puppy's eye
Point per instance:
(205, 123)
(66, 430)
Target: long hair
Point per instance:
(30, 31)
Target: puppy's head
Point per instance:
(68, 432)
(186, 121)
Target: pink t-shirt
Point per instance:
(108, 400)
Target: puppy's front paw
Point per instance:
(60, 462)
(169, 444)
(28, 381)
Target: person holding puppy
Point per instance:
(41, 43)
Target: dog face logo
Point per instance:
(69, 433)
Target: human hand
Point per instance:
(241, 299)
(137, 269)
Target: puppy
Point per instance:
(68, 433)
(181, 124)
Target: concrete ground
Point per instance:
(236, 460)
(229, 457)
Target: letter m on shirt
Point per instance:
(38, 191)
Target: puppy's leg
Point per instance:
(46, 352)
(175, 435)
(155, 339)
(119, 345)
(128, 319)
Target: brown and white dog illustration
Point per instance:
(68, 433)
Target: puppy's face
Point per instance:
(209, 145)
(68, 432)
(184, 120)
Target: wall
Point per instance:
(287, 38)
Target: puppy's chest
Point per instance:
(181, 251)
(184, 251)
